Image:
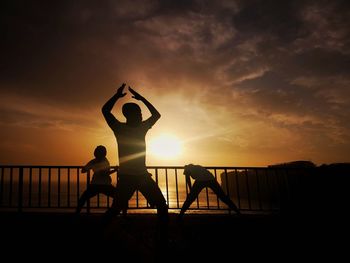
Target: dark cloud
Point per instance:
(319, 62)
(277, 18)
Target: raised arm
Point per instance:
(108, 106)
(155, 115)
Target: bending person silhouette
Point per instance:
(130, 136)
(101, 181)
(203, 178)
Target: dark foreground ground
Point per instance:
(202, 238)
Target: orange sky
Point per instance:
(236, 83)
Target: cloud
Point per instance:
(282, 66)
(328, 26)
(21, 111)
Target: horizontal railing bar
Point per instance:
(165, 167)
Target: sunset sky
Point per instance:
(238, 83)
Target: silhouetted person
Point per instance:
(101, 181)
(203, 178)
(130, 136)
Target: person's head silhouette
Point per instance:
(188, 169)
(100, 152)
(132, 113)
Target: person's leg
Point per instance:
(151, 191)
(196, 189)
(214, 185)
(110, 191)
(126, 187)
(88, 193)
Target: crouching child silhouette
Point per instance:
(101, 181)
(203, 178)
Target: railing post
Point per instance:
(227, 187)
(177, 190)
(217, 198)
(49, 188)
(157, 176)
(11, 186)
(248, 189)
(59, 187)
(258, 189)
(78, 182)
(1, 185)
(87, 185)
(39, 188)
(68, 187)
(237, 189)
(30, 187)
(167, 186)
(20, 189)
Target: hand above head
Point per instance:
(136, 95)
(120, 91)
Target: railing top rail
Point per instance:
(40, 166)
(159, 167)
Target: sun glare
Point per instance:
(165, 146)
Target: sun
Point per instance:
(165, 146)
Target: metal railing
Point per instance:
(52, 188)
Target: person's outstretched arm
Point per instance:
(188, 181)
(108, 106)
(155, 115)
(88, 166)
